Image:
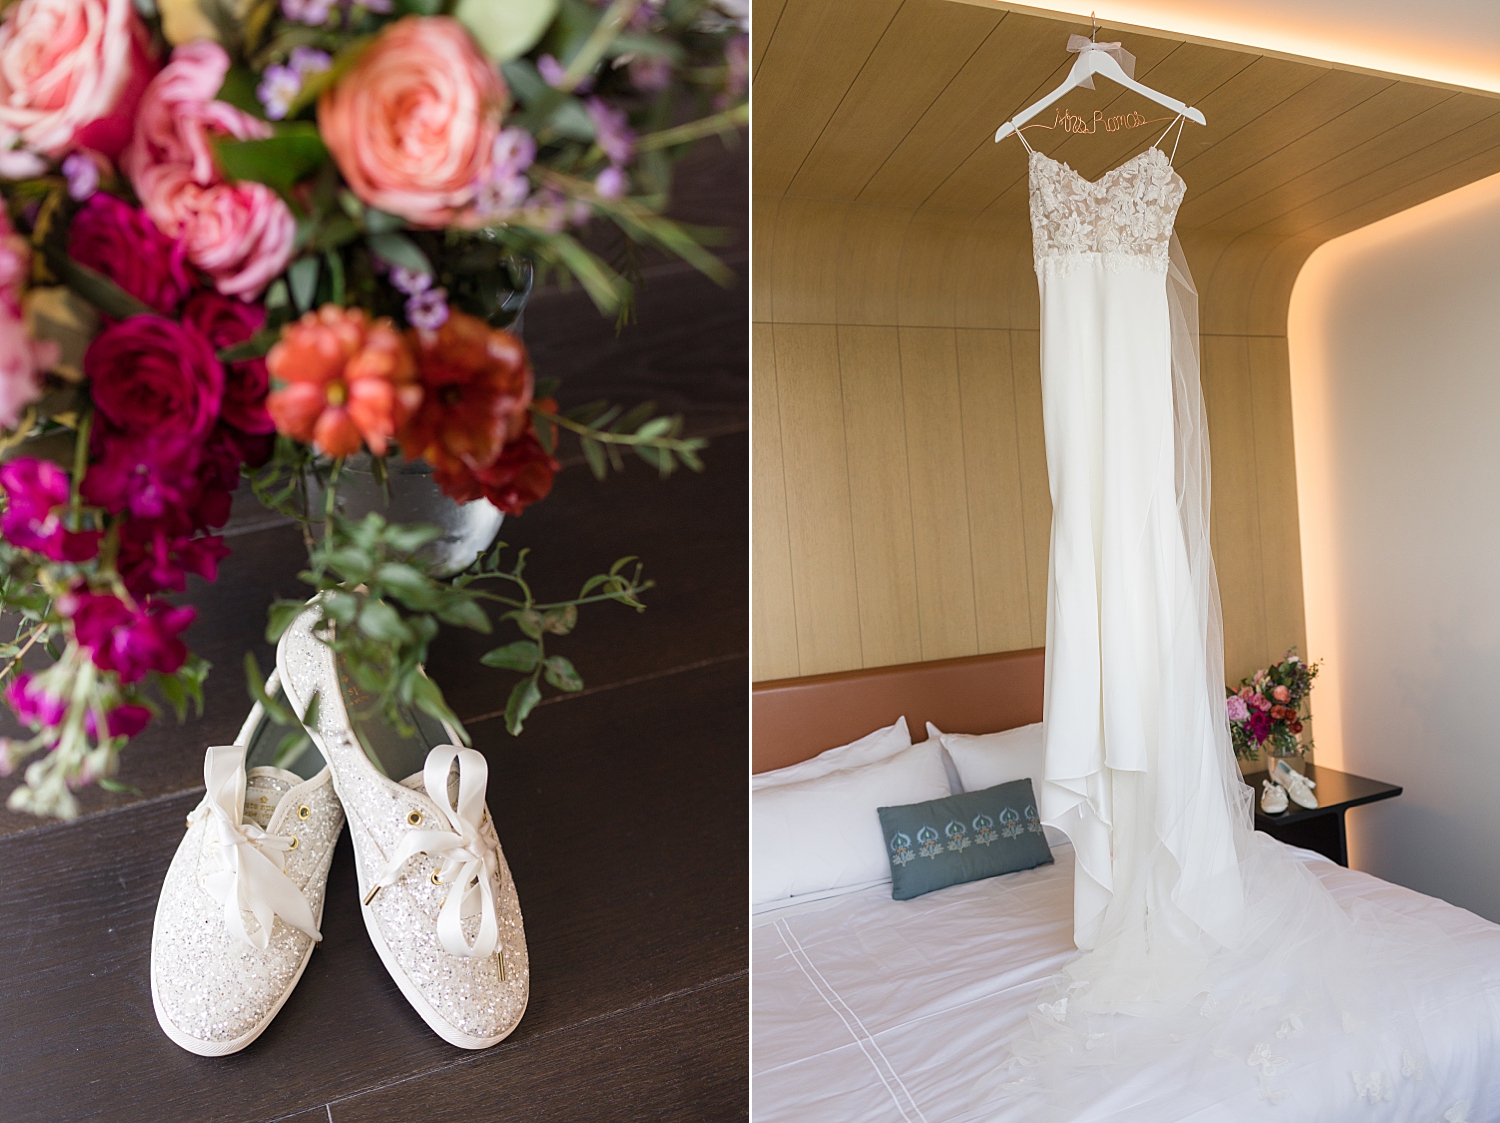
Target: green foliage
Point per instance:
(604, 430)
(381, 607)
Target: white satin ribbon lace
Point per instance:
(252, 863)
(470, 863)
(1080, 43)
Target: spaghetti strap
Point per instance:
(1182, 124)
(1022, 138)
(1157, 142)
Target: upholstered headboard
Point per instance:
(797, 718)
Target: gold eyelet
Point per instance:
(293, 844)
(304, 812)
(414, 818)
(434, 878)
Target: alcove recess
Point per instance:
(900, 487)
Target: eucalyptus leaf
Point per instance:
(303, 279)
(519, 656)
(398, 249)
(506, 30)
(522, 701)
(560, 673)
(279, 161)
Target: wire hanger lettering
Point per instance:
(1112, 61)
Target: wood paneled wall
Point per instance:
(901, 505)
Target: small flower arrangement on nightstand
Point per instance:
(1268, 710)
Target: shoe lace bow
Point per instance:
(470, 861)
(251, 875)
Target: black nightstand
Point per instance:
(1320, 828)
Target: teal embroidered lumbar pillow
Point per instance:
(962, 838)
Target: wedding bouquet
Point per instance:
(1270, 707)
(277, 238)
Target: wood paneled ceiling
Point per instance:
(895, 102)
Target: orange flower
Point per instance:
(345, 381)
(477, 385)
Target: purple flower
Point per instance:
(650, 73)
(1260, 726)
(501, 195)
(611, 130)
(551, 70)
(410, 281)
(309, 60)
(611, 182)
(82, 175)
(737, 67)
(553, 73)
(279, 87)
(1236, 708)
(428, 310)
(311, 12)
(129, 641)
(33, 705)
(37, 491)
(514, 150)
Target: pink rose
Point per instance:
(71, 74)
(412, 123)
(240, 234)
(1281, 694)
(23, 360)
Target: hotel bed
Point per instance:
(866, 1009)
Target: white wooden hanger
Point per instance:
(1096, 58)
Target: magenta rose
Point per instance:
(122, 242)
(129, 641)
(37, 494)
(224, 323)
(155, 376)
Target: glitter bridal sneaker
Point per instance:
(239, 910)
(435, 891)
(1298, 786)
(1273, 801)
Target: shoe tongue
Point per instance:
(264, 788)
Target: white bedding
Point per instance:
(869, 1010)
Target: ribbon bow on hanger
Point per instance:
(1077, 44)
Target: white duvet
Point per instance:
(869, 1010)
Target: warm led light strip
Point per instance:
(1342, 46)
(1313, 429)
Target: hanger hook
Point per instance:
(1094, 36)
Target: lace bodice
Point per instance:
(1126, 215)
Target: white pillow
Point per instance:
(872, 747)
(824, 833)
(986, 759)
(983, 760)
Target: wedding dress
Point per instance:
(1204, 947)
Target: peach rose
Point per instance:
(71, 74)
(240, 234)
(412, 123)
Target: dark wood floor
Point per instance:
(622, 809)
